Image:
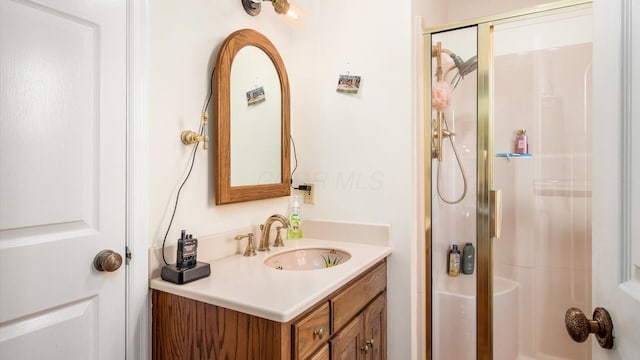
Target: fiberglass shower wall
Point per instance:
(454, 215)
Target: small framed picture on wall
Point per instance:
(349, 84)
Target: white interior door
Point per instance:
(616, 174)
(62, 178)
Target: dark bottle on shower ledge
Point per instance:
(468, 258)
(453, 265)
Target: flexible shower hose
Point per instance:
(464, 177)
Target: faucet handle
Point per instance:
(278, 241)
(251, 249)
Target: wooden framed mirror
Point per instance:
(252, 157)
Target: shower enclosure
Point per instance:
(525, 210)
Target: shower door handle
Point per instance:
(579, 327)
(495, 217)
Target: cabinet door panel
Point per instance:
(348, 343)
(323, 354)
(375, 322)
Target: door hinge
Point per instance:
(127, 255)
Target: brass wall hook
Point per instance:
(189, 137)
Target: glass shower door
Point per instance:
(454, 130)
(542, 165)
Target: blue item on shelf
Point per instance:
(510, 155)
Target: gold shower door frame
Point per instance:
(485, 207)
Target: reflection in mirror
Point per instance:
(252, 120)
(255, 119)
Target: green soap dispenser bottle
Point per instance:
(295, 222)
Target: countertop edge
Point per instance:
(283, 316)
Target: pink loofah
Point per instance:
(440, 95)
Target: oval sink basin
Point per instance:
(307, 259)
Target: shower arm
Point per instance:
(436, 52)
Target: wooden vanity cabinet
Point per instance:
(349, 324)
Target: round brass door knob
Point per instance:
(579, 327)
(107, 260)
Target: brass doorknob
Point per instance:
(579, 327)
(107, 260)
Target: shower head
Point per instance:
(464, 67)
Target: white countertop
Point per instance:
(245, 284)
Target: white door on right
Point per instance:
(616, 173)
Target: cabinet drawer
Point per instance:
(350, 301)
(311, 331)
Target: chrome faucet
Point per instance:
(266, 228)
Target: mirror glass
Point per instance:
(251, 120)
(255, 119)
